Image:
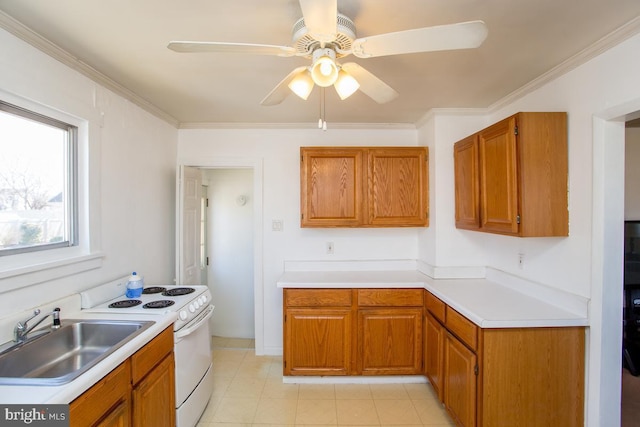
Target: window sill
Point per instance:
(38, 272)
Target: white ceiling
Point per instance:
(126, 41)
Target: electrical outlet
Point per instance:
(329, 247)
(520, 261)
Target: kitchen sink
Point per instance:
(62, 355)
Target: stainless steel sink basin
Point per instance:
(64, 354)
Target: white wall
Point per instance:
(632, 174)
(589, 262)
(230, 238)
(128, 166)
(278, 151)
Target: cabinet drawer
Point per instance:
(151, 354)
(317, 297)
(435, 306)
(97, 402)
(462, 327)
(390, 297)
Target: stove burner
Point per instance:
(175, 292)
(125, 303)
(162, 303)
(154, 290)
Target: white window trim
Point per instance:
(26, 269)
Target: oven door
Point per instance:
(193, 354)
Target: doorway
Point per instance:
(630, 401)
(605, 332)
(230, 251)
(256, 168)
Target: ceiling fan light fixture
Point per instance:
(324, 70)
(345, 85)
(302, 84)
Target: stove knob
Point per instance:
(183, 315)
(196, 304)
(203, 299)
(192, 308)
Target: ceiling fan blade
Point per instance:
(370, 85)
(281, 91)
(224, 47)
(463, 35)
(320, 18)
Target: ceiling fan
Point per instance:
(324, 35)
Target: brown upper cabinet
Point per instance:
(364, 186)
(511, 178)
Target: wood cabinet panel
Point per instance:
(511, 178)
(434, 354)
(317, 297)
(544, 364)
(120, 416)
(108, 402)
(498, 178)
(364, 186)
(331, 187)
(318, 341)
(398, 186)
(506, 377)
(435, 306)
(462, 327)
(460, 381)
(543, 164)
(148, 356)
(390, 297)
(154, 396)
(467, 190)
(390, 341)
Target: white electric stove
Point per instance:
(192, 340)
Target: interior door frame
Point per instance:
(256, 164)
(604, 338)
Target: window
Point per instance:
(38, 182)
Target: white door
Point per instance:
(188, 226)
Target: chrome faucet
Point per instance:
(22, 328)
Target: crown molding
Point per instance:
(29, 36)
(607, 42)
(330, 126)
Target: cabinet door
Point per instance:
(317, 341)
(467, 189)
(120, 416)
(390, 341)
(433, 354)
(331, 187)
(398, 186)
(154, 397)
(498, 178)
(460, 381)
(106, 403)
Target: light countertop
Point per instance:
(66, 393)
(485, 303)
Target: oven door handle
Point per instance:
(188, 331)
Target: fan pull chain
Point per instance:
(322, 122)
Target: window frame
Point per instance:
(71, 182)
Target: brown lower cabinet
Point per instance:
(504, 377)
(139, 392)
(353, 331)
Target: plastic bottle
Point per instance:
(134, 286)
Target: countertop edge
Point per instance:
(449, 291)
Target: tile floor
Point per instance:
(248, 391)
